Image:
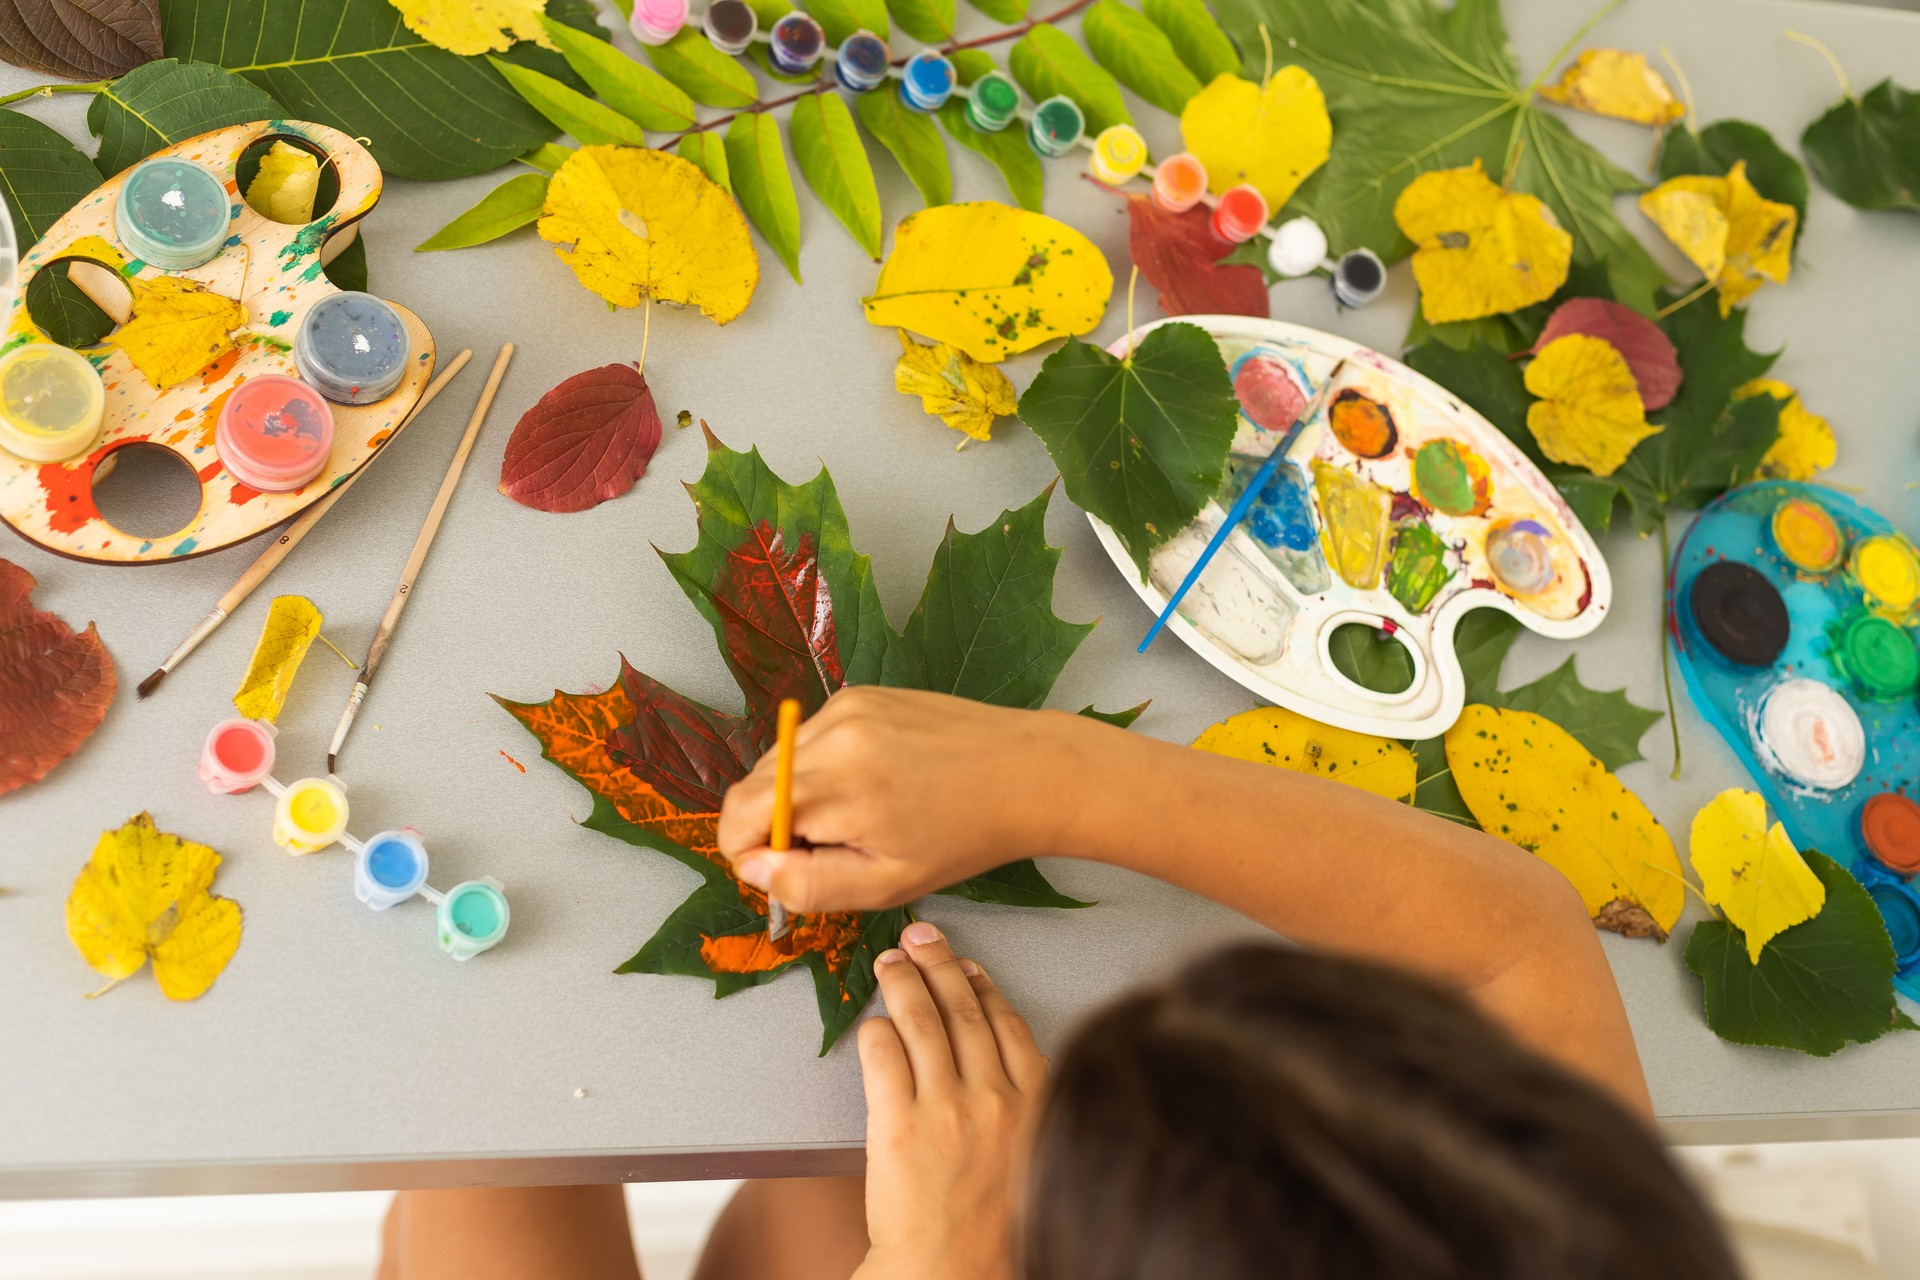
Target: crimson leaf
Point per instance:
(1181, 257)
(585, 441)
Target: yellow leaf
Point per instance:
(144, 894)
(1589, 413)
(177, 328)
(1611, 82)
(468, 27)
(1738, 238)
(292, 623)
(1527, 780)
(1805, 445)
(1479, 250)
(1288, 740)
(953, 386)
(1272, 137)
(990, 280)
(286, 184)
(637, 223)
(1751, 871)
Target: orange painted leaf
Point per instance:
(55, 684)
(587, 440)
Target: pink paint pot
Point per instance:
(275, 433)
(238, 756)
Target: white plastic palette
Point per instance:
(1247, 618)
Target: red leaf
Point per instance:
(54, 685)
(776, 614)
(1179, 255)
(587, 440)
(1648, 351)
(686, 752)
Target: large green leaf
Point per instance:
(639, 93)
(707, 75)
(1127, 43)
(1195, 36)
(913, 140)
(1819, 986)
(928, 21)
(42, 175)
(1141, 441)
(348, 269)
(63, 311)
(166, 102)
(509, 206)
(1866, 150)
(354, 65)
(709, 151)
(1718, 147)
(1006, 150)
(834, 162)
(591, 123)
(1047, 61)
(1413, 87)
(757, 164)
(1019, 884)
(841, 18)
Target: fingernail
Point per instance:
(757, 872)
(892, 955)
(972, 970)
(920, 933)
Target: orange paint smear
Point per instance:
(515, 763)
(222, 365)
(69, 491)
(742, 953)
(210, 420)
(379, 438)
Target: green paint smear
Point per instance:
(308, 241)
(270, 342)
(1440, 473)
(1418, 568)
(279, 318)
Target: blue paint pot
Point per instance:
(927, 81)
(796, 44)
(389, 869)
(172, 213)
(1902, 914)
(352, 348)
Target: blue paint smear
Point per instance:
(145, 547)
(185, 547)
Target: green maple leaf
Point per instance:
(1866, 149)
(1414, 87)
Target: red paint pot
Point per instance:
(275, 433)
(237, 756)
(1241, 213)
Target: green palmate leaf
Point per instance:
(1127, 43)
(639, 93)
(1370, 657)
(512, 204)
(348, 270)
(166, 102)
(1047, 61)
(928, 21)
(707, 75)
(63, 312)
(913, 140)
(1819, 985)
(707, 150)
(757, 165)
(591, 123)
(1007, 150)
(841, 18)
(1414, 87)
(1002, 11)
(42, 175)
(1018, 885)
(1718, 147)
(547, 157)
(1141, 441)
(834, 162)
(1866, 150)
(1195, 36)
(354, 65)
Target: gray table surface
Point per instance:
(340, 1049)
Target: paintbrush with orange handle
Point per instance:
(780, 838)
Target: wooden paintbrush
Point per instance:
(391, 618)
(270, 559)
(780, 838)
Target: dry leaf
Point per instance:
(1527, 780)
(285, 186)
(292, 623)
(1738, 238)
(468, 27)
(636, 223)
(1589, 412)
(80, 39)
(1751, 871)
(1648, 350)
(587, 440)
(1805, 446)
(1288, 740)
(1179, 255)
(1272, 137)
(954, 387)
(178, 327)
(55, 685)
(144, 895)
(1612, 82)
(1479, 250)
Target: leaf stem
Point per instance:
(1840, 72)
(1689, 886)
(48, 90)
(1572, 40)
(1686, 88)
(646, 335)
(1132, 280)
(1666, 624)
(1703, 287)
(1013, 32)
(1266, 42)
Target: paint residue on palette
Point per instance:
(1354, 512)
(1451, 478)
(1363, 426)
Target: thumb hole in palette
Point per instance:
(1372, 658)
(146, 491)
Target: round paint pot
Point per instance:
(1179, 182)
(1890, 828)
(992, 102)
(1240, 214)
(1806, 536)
(1359, 277)
(1902, 915)
(1877, 656)
(1888, 571)
(1520, 557)
(237, 756)
(274, 433)
(1808, 734)
(172, 213)
(927, 81)
(389, 869)
(654, 22)
(51, 402)
(730, 25)
(797, 43)
(1739, 613)
(861, 62)
(1057, 126)
(1119, 152)
(473, 917)
(1298, 247)
(352, 348)
(310, 815)
(1268, 389)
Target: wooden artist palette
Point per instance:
(274, 269)
(1796, 615)
(1398, 508)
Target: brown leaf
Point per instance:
(587, 440)
(80, 39)
(1648, 350)
(54, 685)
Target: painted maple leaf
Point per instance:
(796, 615)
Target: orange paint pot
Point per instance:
(1179, 182)
(275, 433)
(1890, 828)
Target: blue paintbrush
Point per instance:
(1243, 504)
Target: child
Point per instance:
(1445, 1087)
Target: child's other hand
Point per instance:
(953, 1080)
(900, 793)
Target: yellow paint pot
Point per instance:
(1888, 571)
(310, 815)
(50, 403)
(1807, 536)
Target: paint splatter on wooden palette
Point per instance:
(275, 272)
(1795, 612)
(1398, 508)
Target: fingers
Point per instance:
(826, 878)
(970, 1039)
(884, 1072)
(917, 1021)
(1020, 1053)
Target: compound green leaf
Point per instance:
(639, 93)
(913, 140)
(928, 21)
(1002, 11)
(165, 102)
(1866, 150)
(841, 18)
(1195, 36)
(591, 123)
(547, 157)
(1047, 61)
(834, 162)
(1006, 150)
(707, 75)
(1127, 43)
(509, 206)
(709, 151)
(757, 164)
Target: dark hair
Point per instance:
(1287, 1115)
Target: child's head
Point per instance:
(1277, 1113)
